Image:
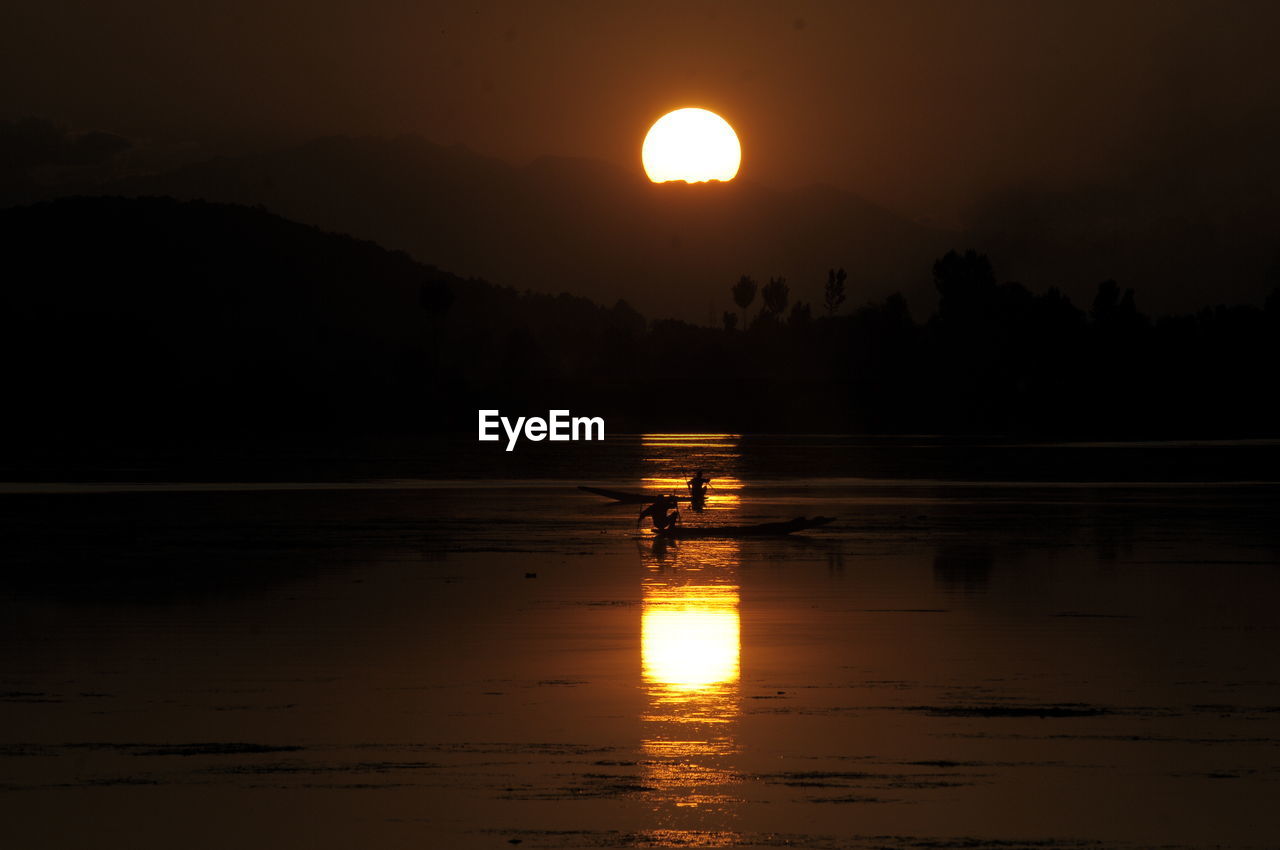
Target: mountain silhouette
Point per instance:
(601, 230)
(152, 320)
(571, 225)
(152, 316)
(146, 321)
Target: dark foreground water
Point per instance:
(1040, 655)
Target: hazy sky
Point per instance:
(926, 106)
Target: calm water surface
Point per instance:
(997, 647)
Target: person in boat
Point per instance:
(698, 487)
(665, 513)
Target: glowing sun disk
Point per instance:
(693, 145)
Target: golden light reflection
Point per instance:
(690, 661)
(689, 637)
(724, 492)
(691, 441)
(672, 459)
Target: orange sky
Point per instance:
(926, 106)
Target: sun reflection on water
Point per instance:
(690, 664)
(723, 494)
(672, 459)
(690, 637)
(696, 441)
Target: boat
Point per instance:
(631, 497)
(764, 529)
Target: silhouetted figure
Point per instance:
(664, 513)
(698, 488)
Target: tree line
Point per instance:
(999, 358)
(165, 319)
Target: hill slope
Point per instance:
(155, 318)
(570, 225)
(152, 311)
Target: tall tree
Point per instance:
(835, 290)
(775, 295)
(966, 286)
(744, 292)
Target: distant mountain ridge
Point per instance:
(572, 225)
(594, 228)
(162, 324)
(159, 319)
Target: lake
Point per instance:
(995, 645)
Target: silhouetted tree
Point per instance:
(626, 320)
(966, 284)
(1105, 301)
(897, 311)
(1113, 309)
(1127, 308)
(317, 353)
(744, 292)
(775, 295)
(801, 315)
(834, 295)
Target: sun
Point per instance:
(693, 145)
